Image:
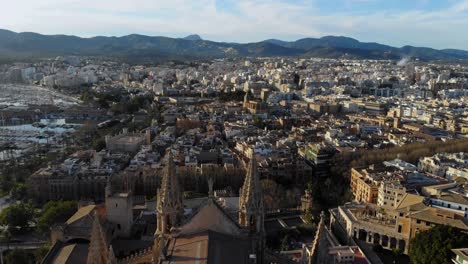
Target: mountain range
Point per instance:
(139, 47)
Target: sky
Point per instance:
(429, 23)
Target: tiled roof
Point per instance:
(409, 200)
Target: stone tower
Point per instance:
(307, 201)
(119, 208)
(246, 98)
(251, 210)
(169, 207)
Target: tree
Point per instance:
(434, 245)
(18, 256)
(19, 191)
(17, 215)
(99, 144)
(274, 196)
(5, 236)
(397, 252)
(6, 182)
(258, 122)
(40, 253)
(55, 212)
(103, 103)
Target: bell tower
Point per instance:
(169, 207)
(246, 99)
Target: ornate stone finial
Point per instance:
(111, 258)
(210, 185)
(108, 189)
(322, 215)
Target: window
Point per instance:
(418, 221)
(399, 228)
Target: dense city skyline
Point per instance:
(428, 23)
(234, 131)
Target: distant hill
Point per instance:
(139, 47)
(193, 37)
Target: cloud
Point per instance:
(243, 20)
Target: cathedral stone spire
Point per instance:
(169, 207)
(98, 249)
(251, 199)
(159, 249)
(108, 189)
(111, 258)
(251, 213)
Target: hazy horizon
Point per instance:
(422, 23)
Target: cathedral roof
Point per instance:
(211, 217)
(67, 253)
(208, 247)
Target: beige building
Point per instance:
(390, 194)
(391, 228)
(254, 107)
(363, 188)
(127, 142)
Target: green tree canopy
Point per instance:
(17, 215)
(41, 252)
(18, 256)
(19, 191)
(434, 245)
(55, 212)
